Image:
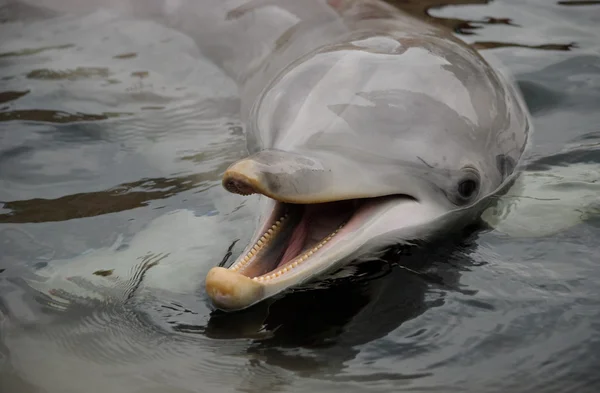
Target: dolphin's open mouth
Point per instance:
(310, 227)
(295, 242)
(292, 235)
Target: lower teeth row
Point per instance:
(264, 239)
(298, 261)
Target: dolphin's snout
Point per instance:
(244, 178)
(282, 176)
(230, 290)
(238, 184)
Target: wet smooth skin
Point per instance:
(370, 103)
(346, 99)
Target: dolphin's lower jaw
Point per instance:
(297, 243)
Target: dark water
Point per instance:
(113, 137)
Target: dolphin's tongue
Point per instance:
(317, 222)
(297, 241)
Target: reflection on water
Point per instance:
(6, 96)
(114, 135)
(582, 2)
(470, 26)
(35, 51)
(123, 197)
(480, 45)
(52, 116)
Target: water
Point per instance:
(113, 139)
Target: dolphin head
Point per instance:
(376, 141)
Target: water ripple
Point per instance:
(112, 214)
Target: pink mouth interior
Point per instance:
(317, 222)
(307, 226)
(297, 241)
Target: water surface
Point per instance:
(113, 138)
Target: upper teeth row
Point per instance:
(299, 260)
(264, 239)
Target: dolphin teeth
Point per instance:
(290, 266)
(264, 241)
(260, 244)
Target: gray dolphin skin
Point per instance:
(366, 128)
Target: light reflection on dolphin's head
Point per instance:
(366, 145)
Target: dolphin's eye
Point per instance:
(467, 188)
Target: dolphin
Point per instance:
(366, 128)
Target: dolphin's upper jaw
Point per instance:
(297, 243)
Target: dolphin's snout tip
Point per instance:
(238, 184)
(230, 290)
(242, 178)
